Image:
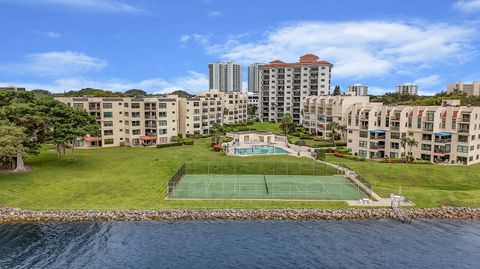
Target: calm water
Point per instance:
(259, 150)
(245, 244)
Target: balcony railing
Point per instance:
(463, 130)
(395, 128)
(443, 140)
(377, 146)
(380, 137)
(441, 151)
(363, 126)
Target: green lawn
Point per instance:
(311, 142)
(122, 178)
(267, 127)
(425, 184)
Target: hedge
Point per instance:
(188, 142)
(170, 145)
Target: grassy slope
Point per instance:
(121, 178)
(427, 185)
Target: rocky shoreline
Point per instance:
(15, 215)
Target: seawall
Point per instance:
(15, 215)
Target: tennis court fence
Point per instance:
(261, 168)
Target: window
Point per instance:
(162, 105)
(462, 138)
(162, 131)
(196, 118)
(362, 144)
(135, 123)
(78, 105)
(107, 105)
(162, 123)
(427, 137)
(125, 105)
(135, 114)
(426, 147)
(108, 132)
(135, 105)
(419, 123)
(363, 134)
(454, 123)
(162, 114)
(136, 132)
(108, 123)
(462, 149)
(362, 153)
(108, 141)
(107, 114)
(395, 135)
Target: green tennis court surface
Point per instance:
(295, 187)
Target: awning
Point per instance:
(148, 138)
(443, 134)
(377, 131)
(92, 139)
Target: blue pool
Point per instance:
(260, 150)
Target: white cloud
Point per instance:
(378, 90)
(193, 82)
(52, 35)
(358, 49)
(428, 82)
(93, 5)
(55, 64)
(468, 5)
(214, 13)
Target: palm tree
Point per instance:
(333, 126)
(404, 143)
(286, 122)
(343, 130)
(411, 142)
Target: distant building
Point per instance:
(225, 77)
(357, 90)
(285, 85)
(407, 88)
(470, 89)
(253, 99)
(12, 88)
(254, 77)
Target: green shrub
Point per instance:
(249, 122)
(305, 136)
(169, 145)
(343, 150)
(243, 129)
(321, 155)
(227, 139)
(188, 142)
(341, 144)
(301, 143)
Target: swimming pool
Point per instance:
(258, 150)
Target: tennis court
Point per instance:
(264, 186)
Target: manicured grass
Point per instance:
(427, 185)
(267, 127)
(311, 142)
(123, 178)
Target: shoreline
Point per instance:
(16, 215)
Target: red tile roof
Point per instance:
(307, 59)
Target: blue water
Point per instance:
(260, 150)
(242, 244)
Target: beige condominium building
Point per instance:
(284, 86)
(318, 111)
(470, 89)
(198, 114)
(357, 90)
(234, 105)
(407, 88)
(129, 121)
(446, 134)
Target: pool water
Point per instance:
(260, 150)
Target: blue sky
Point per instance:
(160, 46)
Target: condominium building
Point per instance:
(253, 98)
(284, 86)
(129, 121)
(470, 89)
(357, 90)
(12, 88)
(254, 77)
(198, 114)
(226, 77)
(407, 88)
(447, 134)
(234, 105)
(320, 110)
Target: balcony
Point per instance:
(443, 140)
(364, 127)
(441, 151)
(377, 147)
(395, 128)
(463, 130)
(378, 137)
